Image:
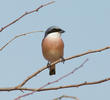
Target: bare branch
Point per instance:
(19, 87)
(64, 76)
(56, 88)
(88, 52)
(45, 67)
(72, 72)
(77, 85)
(31, 76)
(26, 13)
(66, 96)
(60, 87)
(17, 37)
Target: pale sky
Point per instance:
(87, 26)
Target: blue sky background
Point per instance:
(87, 26)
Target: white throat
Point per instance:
(54, 35)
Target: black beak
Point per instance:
(62, 31)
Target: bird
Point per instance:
(53, 47)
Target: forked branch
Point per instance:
(68, 58)
(26, 13)
(56, 88)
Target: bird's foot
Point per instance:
(63, 60)
(48, 64)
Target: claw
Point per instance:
(48, 64)
(63, 60)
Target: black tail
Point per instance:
(52, 70)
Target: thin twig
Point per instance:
(23, 34)
(26, 13)
(45, 67)
(66, 96)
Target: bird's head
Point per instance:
(53, 29)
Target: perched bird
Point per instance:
(53, 46)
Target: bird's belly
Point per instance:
(53, 49)
(53, 55)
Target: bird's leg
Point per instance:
(63, 60)
(48, 64)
